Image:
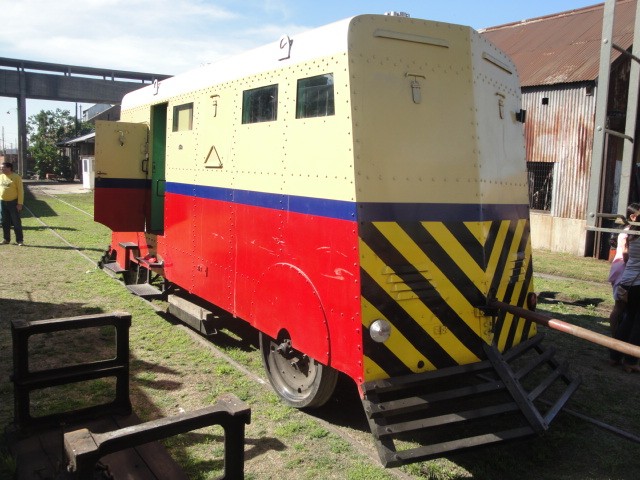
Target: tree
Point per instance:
(46, 129)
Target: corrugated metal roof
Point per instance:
(562, 48)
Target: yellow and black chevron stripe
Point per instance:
(429, 280)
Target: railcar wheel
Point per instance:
(297, 378)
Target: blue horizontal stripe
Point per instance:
(366, 212)
(306, 205)
(440, 212)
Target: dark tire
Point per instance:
(298, 379)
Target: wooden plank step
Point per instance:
(114, 267)
(144, 290)
(154, 454)
(34, 457)
(196, 316)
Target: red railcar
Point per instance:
(358, 194)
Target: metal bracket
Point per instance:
(285, 47)
(416, 94)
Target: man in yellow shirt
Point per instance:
(11, 201)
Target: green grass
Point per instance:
(7, 465)
(567, 265)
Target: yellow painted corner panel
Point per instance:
(121, 149)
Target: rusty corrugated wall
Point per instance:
(559, 129)
(557, 57)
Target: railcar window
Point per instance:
(260, 104)
(183, 117)
(315, 97)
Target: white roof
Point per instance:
(324, 41)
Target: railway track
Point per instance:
(359, 440)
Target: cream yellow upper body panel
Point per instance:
(449, 99)
(412, 105)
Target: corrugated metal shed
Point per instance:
(562, 48)
(559, 130)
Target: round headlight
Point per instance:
(380, 330)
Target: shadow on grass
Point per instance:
(596, 321)
(43, 228)
(344, 408)
(11, 309)
(557, 297)
(253, 447)
(140, 367)
(39, 208)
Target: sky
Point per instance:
(173, 36)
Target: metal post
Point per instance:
(630, 127)
(22, 133)
(595, 182)
(21, 402)
(234, 438)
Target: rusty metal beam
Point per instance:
(42, 86)
(555, 324)
(70, 70)
(594, 202)
(27, 79)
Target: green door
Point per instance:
(158, 153)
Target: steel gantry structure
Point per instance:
(26, 79)
(595, 214)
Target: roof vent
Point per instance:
(398, 14)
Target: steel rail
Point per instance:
(72, 246)
(57, 197)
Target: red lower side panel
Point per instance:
(122, 209)
(272, 268)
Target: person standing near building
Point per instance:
(628, 291)
(11, 201)
(617, 269)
